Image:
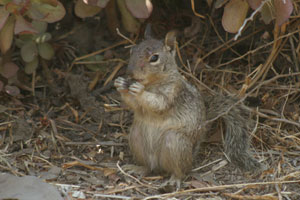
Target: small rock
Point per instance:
(26, 188)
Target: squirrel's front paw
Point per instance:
(121, 84)
(136, 88)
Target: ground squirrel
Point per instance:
(170, 114)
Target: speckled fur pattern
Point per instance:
(170, 114)
(238, 125)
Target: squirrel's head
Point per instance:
(152, 59)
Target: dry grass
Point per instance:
(72, 150)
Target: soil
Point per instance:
(72, 131)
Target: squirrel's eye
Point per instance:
(154, 58)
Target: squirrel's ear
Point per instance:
(170, 40)
(148, 32)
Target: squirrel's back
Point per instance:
(170, 114)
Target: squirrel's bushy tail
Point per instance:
(238, 123)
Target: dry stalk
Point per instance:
(218, 188)
(250, 92)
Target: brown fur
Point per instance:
(170, 114)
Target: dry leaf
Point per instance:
(234, 15)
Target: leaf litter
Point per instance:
(76, 138)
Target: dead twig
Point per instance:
(218, 188)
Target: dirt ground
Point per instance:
(72, 131)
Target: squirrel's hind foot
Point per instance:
(172, 184)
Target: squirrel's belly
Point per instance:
(145, 143)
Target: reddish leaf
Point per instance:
(6, 34)
(9, 70)
(83, 10)
(23, 26)
(12, 90)
(3, 16)
(139, 8)
(283, 10)
(234, 15)
(254, 4)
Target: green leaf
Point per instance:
(46, 51)
(40, 26)
(23, 39)
(6, 34)
(3, 16)
(267, 13)
(29, 51)
(130, 23)
(30, 67)
(46, 12)
(100, 3)
(83, 10)
(50, 2)
(44, 37)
